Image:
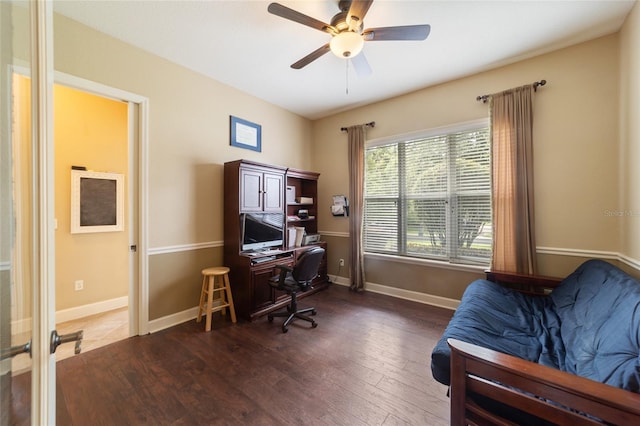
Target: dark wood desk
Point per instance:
(253, 297)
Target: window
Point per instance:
(429, 196)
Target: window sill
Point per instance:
(427, 262)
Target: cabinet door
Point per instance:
(250, 191)
(262, 291)
(273, 192)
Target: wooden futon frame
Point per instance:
(478, 374)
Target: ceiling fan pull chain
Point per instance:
(346, 77)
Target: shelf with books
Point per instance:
(301, 206)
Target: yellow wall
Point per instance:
(576, 159)
(89, 131)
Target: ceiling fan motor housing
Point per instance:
(347, 42)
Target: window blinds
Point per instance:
(430, 197)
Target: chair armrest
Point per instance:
(525, 283)
(542, 391)
(284, 269)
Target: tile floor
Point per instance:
(99, 330)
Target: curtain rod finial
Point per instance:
(538, 83)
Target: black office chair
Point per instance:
(293, 280)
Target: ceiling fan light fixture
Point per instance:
(347, 44)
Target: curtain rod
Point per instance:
(484, 98)
(369, 124)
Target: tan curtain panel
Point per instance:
(356, 136)
(512, 180)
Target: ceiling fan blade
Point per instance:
(409, 32)
(311, 57)
(361, 65)
(358, 9)
(295, 16)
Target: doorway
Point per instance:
(97, 279)
(92, 266)
(136, 197)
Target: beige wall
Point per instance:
(89, 131)
(630, 133)
(189, 129)
(188, 145)
(576, 155)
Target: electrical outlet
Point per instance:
(341, 262)
(79, 285)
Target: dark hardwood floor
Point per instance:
(367, 363)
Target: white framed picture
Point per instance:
(97, 202)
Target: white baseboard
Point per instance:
(414, 296)
(634, 263)
(24, 325)
(341, 281)
(173, 319)
(91, 309)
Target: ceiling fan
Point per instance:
(347, 34)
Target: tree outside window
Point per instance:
(430, 197)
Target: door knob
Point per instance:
(16, 350)
(57, 340)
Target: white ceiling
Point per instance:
(239, 43)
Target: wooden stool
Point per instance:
(209, 276)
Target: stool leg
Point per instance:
(229, 298)
(209, 303)
(223, 299)
(201, 304)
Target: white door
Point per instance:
(27, 246)
(27, 316)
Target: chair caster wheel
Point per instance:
(314, 324)
(284, 329)
(270, 318)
